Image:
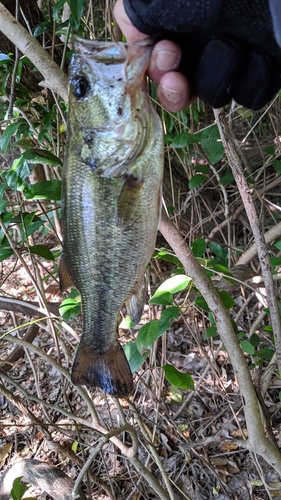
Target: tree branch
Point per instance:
(257, 442)
(55, 79)
(245, 193)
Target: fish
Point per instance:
(111, 201)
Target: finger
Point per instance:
(166, 56)
(130, 32)
(174, 91)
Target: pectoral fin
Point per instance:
(64, 276)
(135, 303)
(128, 201)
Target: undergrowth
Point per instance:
(180, 433)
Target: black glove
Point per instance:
(231, 48)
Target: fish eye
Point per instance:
(79, 86)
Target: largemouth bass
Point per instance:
(111, 201)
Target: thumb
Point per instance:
(131, 33)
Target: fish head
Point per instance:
(109, 108)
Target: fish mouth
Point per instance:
(115, 51)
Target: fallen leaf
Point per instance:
(228, 447)
(240, 433)
(4, 452)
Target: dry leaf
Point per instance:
(240, 433)
(219, 461)
(4, 452)
(39, 436)
(228, 447)
(232, 467)
(275, 488)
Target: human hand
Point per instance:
(222, 49)
(174, 91)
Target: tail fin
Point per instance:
(109, 371)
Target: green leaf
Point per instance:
(268, 328)
(134, 357)
(228, 301)
(269, 150)
(254, 339)
(166, 317)
(174, 284)
(56, 8)
(227, 274)
(69, 309)
(246, 113)
(218, 250)
(77, 7)
(181, 140)
(34, 156)
(164, 255)
(50, 190)
(16, 175)
(126, 323)
(211, 144)
(196, 180)
(201, 302)
(177, 378)
(42, 250)
(198, 247)
(203, 169)
(167, 139)
(209, 332)
(227, 179)
(275, 261)
(43, 27)
(74, 446)
(278, 245)
(277, 165)
(246, 346)
(162, 299)
(147, 335)
(18, 489)
(34, 227)
(265, 353)
(9, 131)
(5, 253)
(175, 394)
(220, 268)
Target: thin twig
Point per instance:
(245, 193)
(55, 79)
(257, 442)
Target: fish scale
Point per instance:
(111, 201)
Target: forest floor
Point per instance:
(190, 437)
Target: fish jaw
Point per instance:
(108, 371)
(112, 132)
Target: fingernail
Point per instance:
(172, 95)
(167, 60)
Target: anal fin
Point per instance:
(64, 276)
(135, 303)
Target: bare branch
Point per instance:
(257, 442)
(245, 193)
(54, 77)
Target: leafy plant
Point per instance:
(19, 490)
